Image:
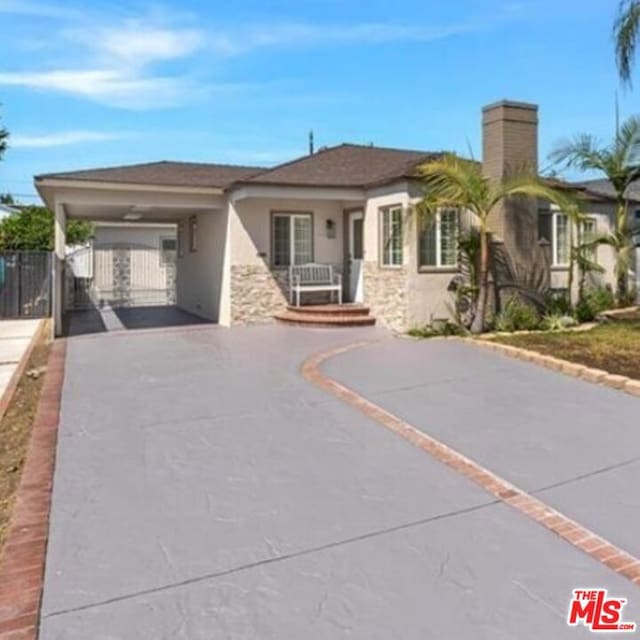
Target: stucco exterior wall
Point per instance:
(200, 274)
(406, 297)
(148, 235)
(604, 214)
(257, 289)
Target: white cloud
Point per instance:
(305, 35)
(136, 43)
(118, 61)
(61, 138)
(106, 86)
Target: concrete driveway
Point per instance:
(204, 489)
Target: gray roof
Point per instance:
(177, 174)
(603, 187)
(346, 165)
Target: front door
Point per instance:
(356, 254)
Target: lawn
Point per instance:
(614, 346)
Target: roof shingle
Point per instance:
(347, 165)
(179, 174)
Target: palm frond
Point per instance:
(530, 185)
(626, 30)
(580, 152)
(453, 182)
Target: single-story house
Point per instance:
(350, 206)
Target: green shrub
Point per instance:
(557, 322)
(443, 328)
(517, 316)
(558, 303)
(594, 300)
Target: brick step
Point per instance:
(350, 309)
(324, 319)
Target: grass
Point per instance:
(15, 429)
(613, 346)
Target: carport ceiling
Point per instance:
(130, 213)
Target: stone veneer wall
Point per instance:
(385, 292)
(257, 293)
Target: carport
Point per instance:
(186, 194)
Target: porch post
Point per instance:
(60, 233)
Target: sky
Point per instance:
(91, 84)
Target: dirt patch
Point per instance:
(613, 346)
(15, 429)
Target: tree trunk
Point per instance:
(572, 250)
(623, 253)
(483, 292)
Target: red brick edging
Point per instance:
(23, 557)
(569, 530)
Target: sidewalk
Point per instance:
(15, 338)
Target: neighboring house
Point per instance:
(351, 206)
(124, 264)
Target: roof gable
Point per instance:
(347, 165)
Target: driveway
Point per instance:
(204, 489)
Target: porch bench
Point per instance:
(313, 277)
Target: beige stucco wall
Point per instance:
(401, 298)
(148, 235)
(200, 274)
(257, 290)
(604, 214)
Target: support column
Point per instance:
(60, 236)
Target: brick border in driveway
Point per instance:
(23, 558)
(569, 530)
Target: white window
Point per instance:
(291, 239)
(560, 239)
(168, 250)
(439, 240)
(391, 222)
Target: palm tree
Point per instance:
(626, 31)
(620, 163)
(453, 182)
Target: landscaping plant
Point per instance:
(517, 315)
(620, 163)
(454, 182)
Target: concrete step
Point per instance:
(324, 319)
(349, 309)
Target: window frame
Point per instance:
(278, 213)
(554, 240)
(593, 257)
(438, 266)
(382, 211)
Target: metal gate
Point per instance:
(25, 284)
(119, 275)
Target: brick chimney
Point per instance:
(510, 145)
